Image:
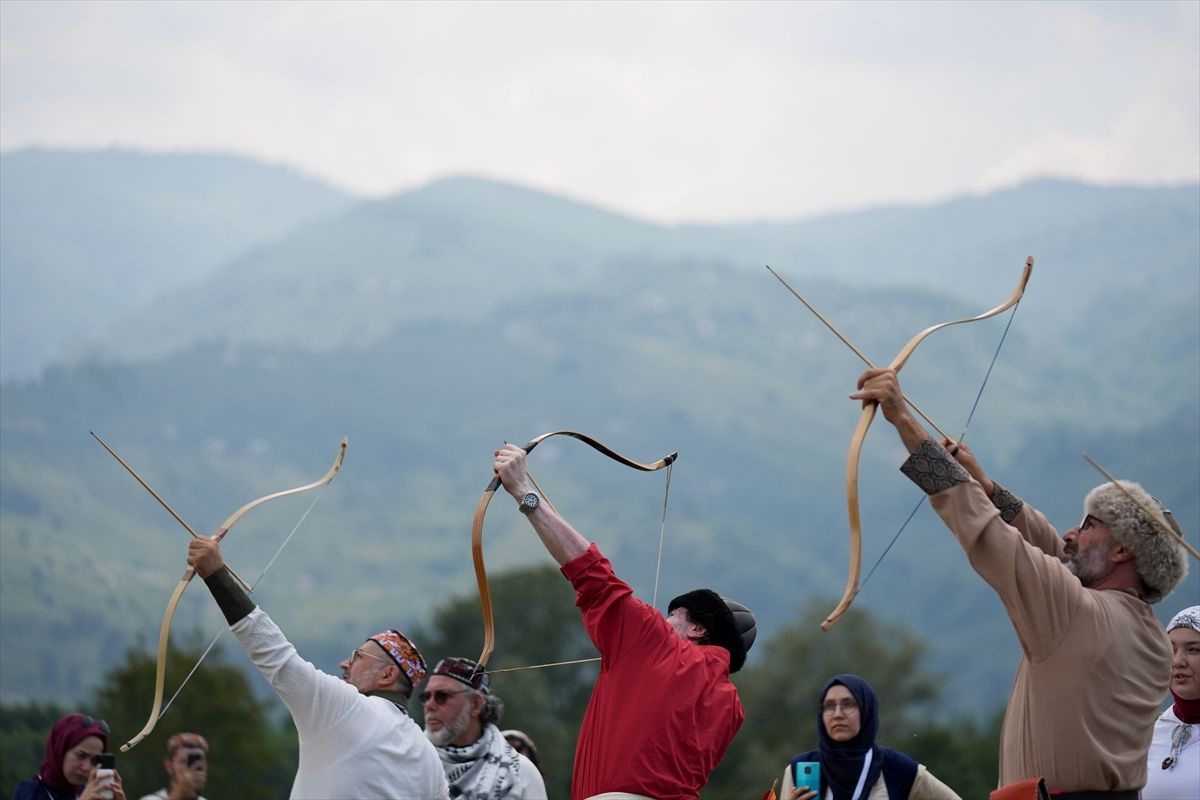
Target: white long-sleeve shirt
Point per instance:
(352, 745)
(1182, 780)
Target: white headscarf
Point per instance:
(1187, 618)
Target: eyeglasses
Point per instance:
(439, 696)
(95, 723)
(358, 651)
(847, 707)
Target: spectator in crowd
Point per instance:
(1173, 771)
(187, 768)
(71, 770)
(461, 713)
(523, 744)
(852, 765)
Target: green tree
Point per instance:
(23, 731)
(252, 753)
(964, 752)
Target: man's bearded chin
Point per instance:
(451, 729)
(1089, 565)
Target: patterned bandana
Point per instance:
(1188, 618)
(465, 671)
(404, 653)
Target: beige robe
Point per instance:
(1095, 664)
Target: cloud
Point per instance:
(673, 111)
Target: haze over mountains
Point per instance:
(223, 323)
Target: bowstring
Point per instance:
(662, 534)
(961, 438)
(261, 575)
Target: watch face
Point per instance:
(530, 501)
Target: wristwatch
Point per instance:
(528, 502)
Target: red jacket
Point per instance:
(663, 710)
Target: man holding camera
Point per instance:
(187, 767)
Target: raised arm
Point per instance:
(562, 541)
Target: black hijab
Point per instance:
(842, 762)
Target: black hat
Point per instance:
(465, 671)
(728, 623)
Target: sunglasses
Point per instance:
(439, 696)
(95, 723)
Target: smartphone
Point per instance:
(807, 775)
(108, 763)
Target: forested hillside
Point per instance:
(434, 325)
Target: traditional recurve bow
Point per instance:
(864, 424)
(860, 435)
(189, 573)
(485, 595)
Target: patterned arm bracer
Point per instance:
(1006, 502)
(934, 469)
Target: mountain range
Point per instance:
(222, 323)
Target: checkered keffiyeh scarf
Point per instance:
(485, 770)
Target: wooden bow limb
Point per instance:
(854, 349)
(189, 573)
(860, 435)
(485, 594)
(1158, 518)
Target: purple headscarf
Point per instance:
(66, 733)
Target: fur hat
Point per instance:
(1160, 560)
(729, 624)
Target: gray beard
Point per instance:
(451, 729)
(1089, 567)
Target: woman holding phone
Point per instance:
(849, 765)
(72, 769)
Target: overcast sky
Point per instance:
(669, 111)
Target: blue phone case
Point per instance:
(807, 775)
